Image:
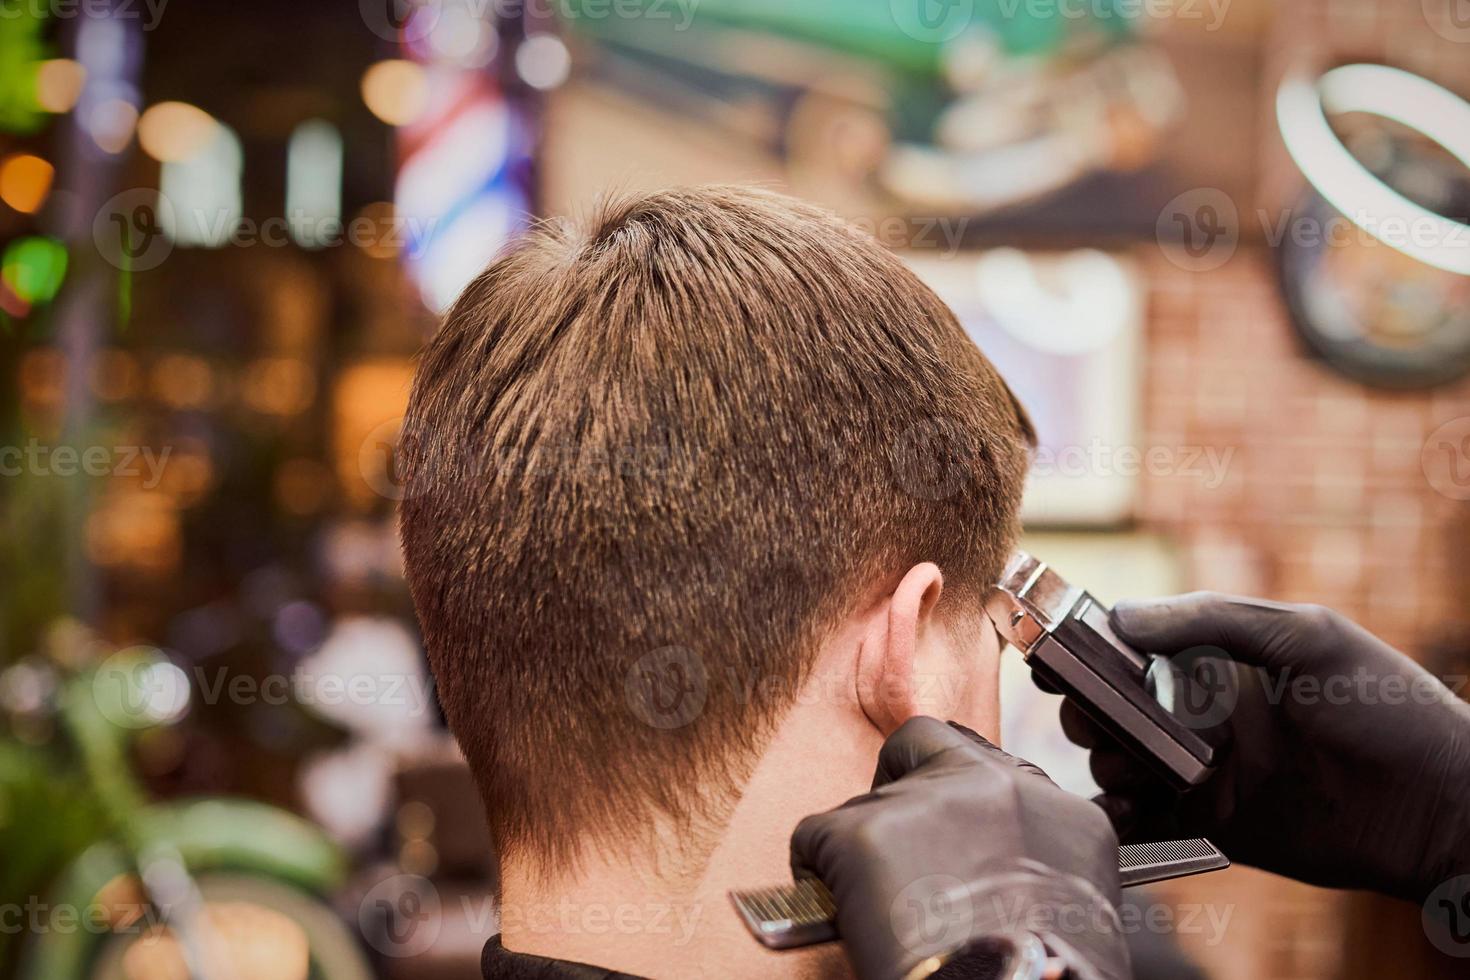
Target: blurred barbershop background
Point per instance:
(1217, 246)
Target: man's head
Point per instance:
(652, 463)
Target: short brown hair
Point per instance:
(680, 437)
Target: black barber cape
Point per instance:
(498, 963)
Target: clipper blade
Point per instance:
(788, 916)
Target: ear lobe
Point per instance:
(888, 682)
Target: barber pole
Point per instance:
(464, 165)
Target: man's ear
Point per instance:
(887, 668)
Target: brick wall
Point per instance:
(1325, 500)
(1326, 497)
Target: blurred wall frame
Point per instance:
(1065, 331)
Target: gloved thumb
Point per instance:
(1252, 631)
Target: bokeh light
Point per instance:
(183, 381)
(111, 124)
(34, 267)
(543, 61)
(59, 84)
(175, 131)
(461, 36)
(25, 180)
(396, 91)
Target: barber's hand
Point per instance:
(959, 840)
(1349, 764)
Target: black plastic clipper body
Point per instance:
(1064, 635)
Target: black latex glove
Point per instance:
(959, 840)
(1348, 764)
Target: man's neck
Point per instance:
(637, 918)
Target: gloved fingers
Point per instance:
(1043, 685)
(1113, 768)
(1121, 810)
(820, 840)
(918, 742)
(1081, 730)
(1116, 771)
(806, 847)
(1140, 817)
(1252, 631)
(927, 742)
(999, 754)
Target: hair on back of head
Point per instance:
(650, 458)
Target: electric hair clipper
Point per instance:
(1064, 636)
